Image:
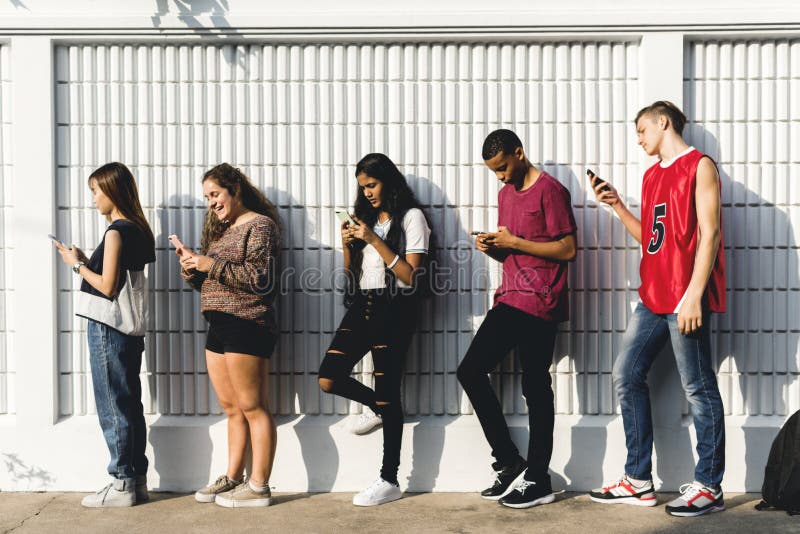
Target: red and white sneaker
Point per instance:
(696, 499)
(625, 492)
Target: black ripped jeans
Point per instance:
(374, 323)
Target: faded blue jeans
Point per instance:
(647, 333)
(115, 359)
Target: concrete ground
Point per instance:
(332, 512)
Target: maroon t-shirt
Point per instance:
(541, 213)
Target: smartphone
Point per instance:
(57, 240)
(345, 217)
(176, 242)
(477, 232)
(592, 177)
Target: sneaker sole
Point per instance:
(249, 503)
(362, 431)
(508, 490)
(547, 499)
(111, 504)
(710, 510)
(634, 501)
(381, 501)
(205, 497)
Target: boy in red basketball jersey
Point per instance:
(683, 281)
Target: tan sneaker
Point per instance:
(209, 493)
(243, 496)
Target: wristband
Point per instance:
(394, 261)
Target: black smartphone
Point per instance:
(592, 176)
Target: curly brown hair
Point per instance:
(238, 185)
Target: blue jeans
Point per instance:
(115, 360)
(646, 335)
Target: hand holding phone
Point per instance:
(180, 248)
(594, 181)
(57, 240)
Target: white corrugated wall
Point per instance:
(7, 390)
(296, 118)
(743, 101)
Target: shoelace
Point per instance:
(374, 486)
(365, 416)
(222, 481)
(689, 491)
(523, 485)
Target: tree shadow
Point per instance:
(756, 344)
(20, 472)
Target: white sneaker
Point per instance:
(119, 493)
(379, 492)
(366, 422)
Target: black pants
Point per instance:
(503, 329)
(383, 326)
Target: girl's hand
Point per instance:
(347, 233)
(184, 252)
(196, 262)
(71, 256)
(363, 232)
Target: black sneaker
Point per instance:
(505, 477)
(527, 494)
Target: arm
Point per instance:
(564, 249)
(611, 197)
(707, 204)
(105, 282)
(253, 274)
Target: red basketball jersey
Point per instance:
(670, 235)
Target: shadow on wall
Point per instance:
(301, 325)
(762, 257)
(585, 465)
(443, 325)
(22, 473)
(182, 454)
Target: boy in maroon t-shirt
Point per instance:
(535, 239)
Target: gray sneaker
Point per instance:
(142, 494)
(209, 493)
(243, 496)
(120, 493)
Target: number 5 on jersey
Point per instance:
(658, 230)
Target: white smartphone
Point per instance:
(345, 217)
(57, 240)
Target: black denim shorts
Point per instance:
(228, 333)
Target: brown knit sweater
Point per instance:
(241, 281)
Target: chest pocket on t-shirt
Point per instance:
(532, 224)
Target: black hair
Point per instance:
(664, 107)
(504, 141)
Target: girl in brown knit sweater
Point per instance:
(234, 273)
